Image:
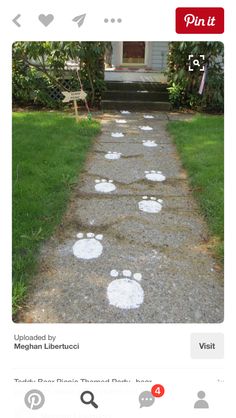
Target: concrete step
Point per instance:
(143, 95)
(134, 86)
(135, 105)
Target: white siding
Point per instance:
(158, 55)
(116, 54)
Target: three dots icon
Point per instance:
(106, 20)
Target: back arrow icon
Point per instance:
(15, 20)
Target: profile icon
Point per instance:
(201, 403)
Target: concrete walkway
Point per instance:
(132, 245)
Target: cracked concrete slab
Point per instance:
(132, 168)
(76, 294)
(134, 148)
(161, 255)
(137, 186)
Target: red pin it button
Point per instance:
(199, 20)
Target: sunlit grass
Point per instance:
(200, 143)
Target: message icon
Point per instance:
(146, 399)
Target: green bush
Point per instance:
(30, 88)
(176, 95)
(213, 97)
(39, 72)
(184, 84)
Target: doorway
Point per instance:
(133, 53)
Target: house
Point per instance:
(135, 76)
(149, 55)
(138, 60)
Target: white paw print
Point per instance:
(154, 175)
(148, 116)
(125, 292)
(89, 247)
(104, 185)
(145, 128)
(125, 112)
(149, 143)
(117, 135)
(121, 121)
(113, 155)
(150, 204)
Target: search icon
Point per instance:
(87, 400)
(196, 62)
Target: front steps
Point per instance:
(135, 96)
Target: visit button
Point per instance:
(207, 346)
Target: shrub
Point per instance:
(176, 94)
(184, 84)
(40, 71)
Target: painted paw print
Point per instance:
(125, 292)
(121, 121)
(148, 116)
(145, 128)
(150, 204)
(149, 143)
(104, 186)
(154, 175)
(117, 135)
(88, 247)
(113, 155)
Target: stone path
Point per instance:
(147, 239)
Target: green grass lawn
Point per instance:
(200, 143)
(49, 150)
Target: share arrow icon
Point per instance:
(79, 19)
(15, 20)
